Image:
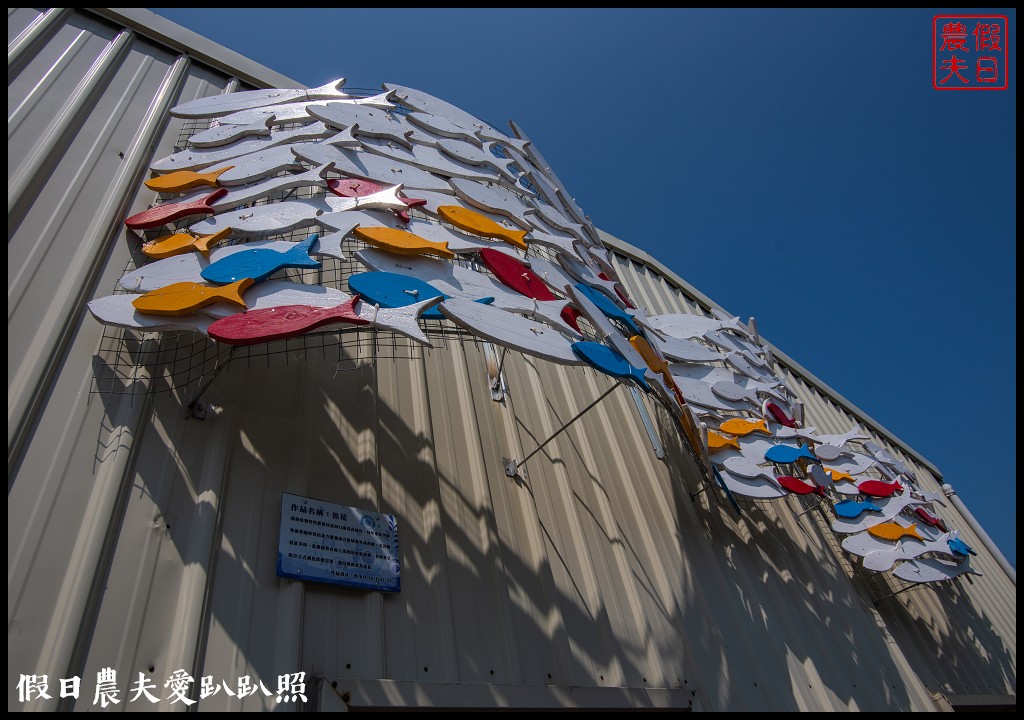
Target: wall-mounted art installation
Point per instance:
(297, 213)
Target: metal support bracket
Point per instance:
(195, 408)
(512, 465)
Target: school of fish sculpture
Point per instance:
(461, 224)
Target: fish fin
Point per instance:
(203, 244)
(302, 249)
(332, 86)
(233, 292)
(329, 167)
(517, 239)
(214, 174)
(215, 196)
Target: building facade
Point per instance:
(146, 473)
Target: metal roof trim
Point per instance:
(201, 49)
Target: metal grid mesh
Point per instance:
(182, 361)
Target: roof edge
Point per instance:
(148, 24)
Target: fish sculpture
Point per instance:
(512, 331)
(476, 223)
(842, 438)
(182, 298)
(185, 180)
(933, 570)
(928, 519)
(891, 507)
(199, 158)
(763, 488)
(215, 105)
(226, 134)
(169, 212)
(118, 311)
(687, 327)
(850, 508)
(798, 486)
(878, 488)
(778, 415)
(839, 475)
(511, 272)
(392, 290)
(610, 362)
(281, 217)
(402, 242)
(281, 322)
(609, 308)
(720, 442)
(739, 426)
(260, 263)
(882, 560)
(742, 467)
(178, 243)
(298, 111)
(784, 454)
(829, 452)
(354, 187)
(731, 391)
(959, 546)
(894, 531)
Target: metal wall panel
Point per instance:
(144, 540)
(973, 621)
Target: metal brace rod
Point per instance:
(512, 465)
(194, 404)
(898, 592)
(812, 507)
(501, 364)
(693, 495)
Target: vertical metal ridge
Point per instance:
(60, 132)
(22, 48)
(46, 349)
(199, 558)
(80, 593)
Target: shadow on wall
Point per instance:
(568, 578)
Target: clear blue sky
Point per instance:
(797, 166)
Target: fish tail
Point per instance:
(215, 196)
(517, 238)
(204, 243)
(333, 86)
(302, 249)
(214, 174)
(298, 256)
(233, 293)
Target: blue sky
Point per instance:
(797, 166)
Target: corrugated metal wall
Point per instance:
(144, 540)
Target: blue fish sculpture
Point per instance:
(261, 263)
(852, 508)
(787, 454)
(395, 290)
(608, 361)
